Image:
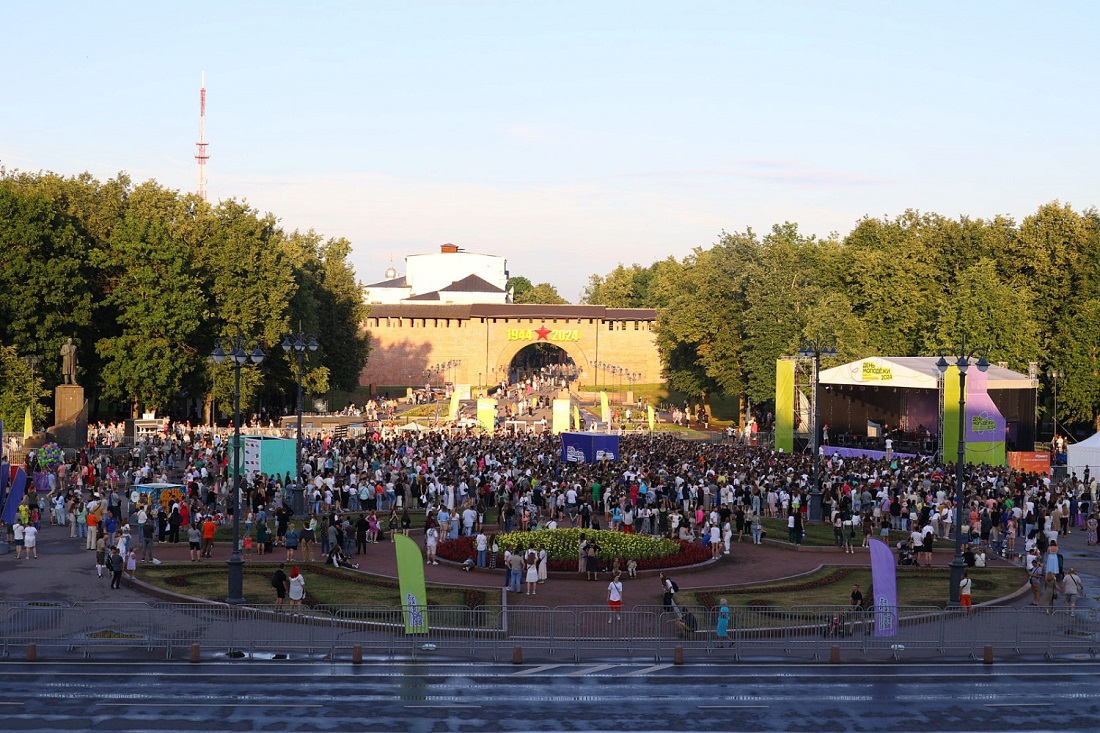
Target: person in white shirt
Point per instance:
(30, 541)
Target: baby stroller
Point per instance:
(906, 556)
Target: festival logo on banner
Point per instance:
(872, 372)
(984, 422)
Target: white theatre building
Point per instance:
(451, 276)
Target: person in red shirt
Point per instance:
(208, 528)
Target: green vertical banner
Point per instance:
(784, 405)
(487, 414)
(410, 578)
(950, 428)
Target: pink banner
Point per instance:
(884, 588)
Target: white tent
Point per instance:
(1085, 453)
(413, 427)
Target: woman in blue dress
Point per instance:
(722, 630)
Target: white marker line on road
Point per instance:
(1019, 704)
(439, 707)
(536, 670)
(732, 707)
(647, 670)
(591, 670)
(190, 704)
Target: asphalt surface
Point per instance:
(429, 697)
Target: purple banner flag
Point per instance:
(884, 587)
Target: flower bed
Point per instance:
(561, 547)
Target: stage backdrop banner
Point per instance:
(884, 582)
(410, 578)
(985, 426)
(784, 405)
(589, 447)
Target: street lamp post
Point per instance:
(963, 361)
(814, 351)
(241, 351)
(300, 343)
(1055, 375)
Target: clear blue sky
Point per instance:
(565, 136)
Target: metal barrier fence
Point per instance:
(572, 633)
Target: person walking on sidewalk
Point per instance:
(1071, 586)
(279, 583)
(615, 599)
(116, 565)
(148, 532)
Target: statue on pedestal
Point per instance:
(68, 362)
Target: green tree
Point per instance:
(543, 293)
(518, 285)
(155, 299)
(994, 316)
(46, 278)
(20, 387)
(623, 287)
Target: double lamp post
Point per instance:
(299, 343)
(240, 351)
(814, 350)
(963, 361)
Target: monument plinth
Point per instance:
(70, 416)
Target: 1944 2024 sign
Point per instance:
(543, 334)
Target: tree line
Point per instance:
(144, 279)
(914, 285)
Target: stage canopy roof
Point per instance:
(911, 372)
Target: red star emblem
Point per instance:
(544, 334)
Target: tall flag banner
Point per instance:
(560, 415)
(605, 410)
(487, 414)
(884, 587)
(5, 479)
(15, 495)
(28, 424)
(452, 413)
(784, 405)
(410, 579)
(576, 418)
(652, 414)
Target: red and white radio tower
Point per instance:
(202, 157)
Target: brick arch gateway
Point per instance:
(412, 344)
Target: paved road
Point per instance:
(605, 697)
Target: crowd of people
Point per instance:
(361, 490)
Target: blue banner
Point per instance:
(15, 496)
(589, 447)
(884, 588)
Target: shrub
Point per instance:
(561, 548)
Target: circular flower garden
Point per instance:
(562, 548)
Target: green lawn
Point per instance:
(324, 585)
(831, 586)
(821, 535)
